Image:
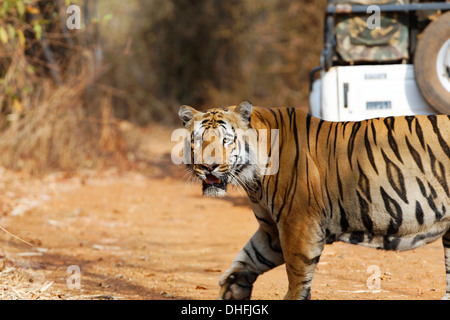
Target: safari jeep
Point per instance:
(383, 58)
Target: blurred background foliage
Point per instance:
(212, 53)
(64, 92)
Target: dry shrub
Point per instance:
(57, 131)
(49, 122)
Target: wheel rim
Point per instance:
(443, 65)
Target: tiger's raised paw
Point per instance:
(237, 285)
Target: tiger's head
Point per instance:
(219, 154)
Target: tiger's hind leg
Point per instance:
(261, 253)
(446, 242)
(302, 251)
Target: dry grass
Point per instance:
(20, 283)
(49, 122)
(24, 284)
(58, 132)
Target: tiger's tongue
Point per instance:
(210, 179)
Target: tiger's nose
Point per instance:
(210, 167)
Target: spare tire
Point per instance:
(432, 64)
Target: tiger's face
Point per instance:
(218, 156)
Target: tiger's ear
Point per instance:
(186, 113)
(244, 109)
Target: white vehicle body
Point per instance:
(364, 75)
(353, 93)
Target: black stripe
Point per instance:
(275, 189)
(421, 187)
(433, 192)
(266, 181)
(274, 192)
(281, 118)
(392, 228)
(343, 222)
(419, 213)
(341, 192)
(344, 125)
(390, 122)
(441, 178)
(365, 217)
(364, 184)
(415, 155)
(261, 259)
(307, 181)
(351, 141)
(330, 202)
(430, 198)
(260, 118)
(274, 249)
(395, 178)
(290, 112)
(374, 132)
(409, 119)
(275, 117)
(444, 145)
(248, 255)
(294, 175)
(262, 219)
(317, 134)
(319, 126)
(335, 137)
(285, 199)
(308, 127)
(280, 211)
(329, 132)
(394, 210)
(419, 133)
(369, 150)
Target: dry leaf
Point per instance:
(200, 288)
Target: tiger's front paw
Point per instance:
(236, 286)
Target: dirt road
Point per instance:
(147, 233)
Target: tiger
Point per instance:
(381, 183)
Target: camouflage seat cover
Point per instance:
(356, 42)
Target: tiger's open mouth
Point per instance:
(214, 186)
(210, 179)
